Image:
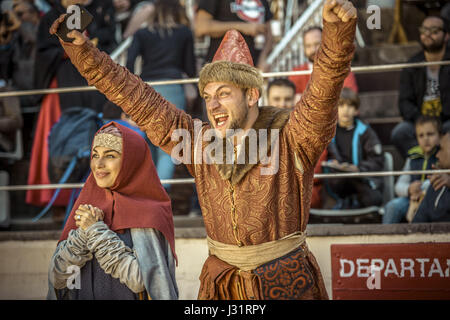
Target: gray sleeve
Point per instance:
(402, 184)
(69, 252)
(157, 263)
(114, 257)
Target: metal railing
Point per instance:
(287, 53)
(362, 69)
(192, 180)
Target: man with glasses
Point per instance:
(424, 90)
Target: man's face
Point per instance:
(443, 154)
(311, 43)
(281, 97)
(226, 106)
(432, 36)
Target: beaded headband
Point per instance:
(108, 140)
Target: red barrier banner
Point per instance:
(391, 271)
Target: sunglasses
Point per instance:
(432, 30)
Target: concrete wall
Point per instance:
(25, 257)
(23, 267)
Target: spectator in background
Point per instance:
(281, 93)
(435, 206)
(424, 90)
(250, 17)
(25, 49)
(9, 26)
(123, 13)
(355, 148)
(167, 50)
(10, 121)
(142, 13)
(103, 26)
(10, 115)
(421, 157)
(311, 42)
(26, 11)
(54, 68)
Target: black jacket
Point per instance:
(435, 207)
(361, 148)
(413, 87)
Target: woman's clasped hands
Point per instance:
(86, 215)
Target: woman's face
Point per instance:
(105, 166)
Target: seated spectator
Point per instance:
(355, 148)
(435, 206)
(424, 90)
(311, 42)
(281, 93)
(421, 157)
(167, 50)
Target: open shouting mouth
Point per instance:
(220, 120)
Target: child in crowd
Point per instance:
(355, 148)
(411, 188)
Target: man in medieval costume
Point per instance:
(255, 212)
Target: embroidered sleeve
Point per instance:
(313, 122)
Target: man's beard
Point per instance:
(239, 122)
(435, 47)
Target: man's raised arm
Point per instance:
(312, 124)
(154, 114)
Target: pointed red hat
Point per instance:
(234, 48)
(232, 63)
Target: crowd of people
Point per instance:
(163, 36)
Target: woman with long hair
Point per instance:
(166, 46)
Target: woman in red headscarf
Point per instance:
(118, 242)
